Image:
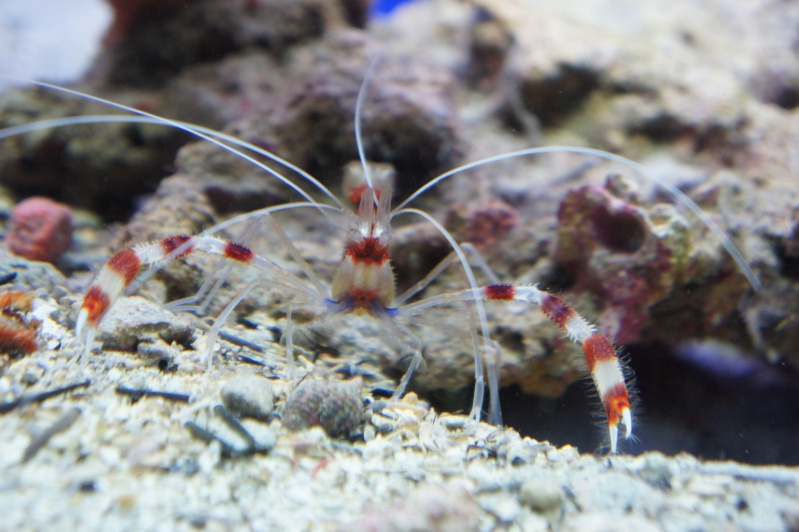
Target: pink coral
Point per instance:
(484, 223)
(41, 229)
(610, 248)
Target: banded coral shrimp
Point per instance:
(364, 282)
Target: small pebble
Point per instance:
(249, 396)
(41, 229)
(29, 378)
(542, 493)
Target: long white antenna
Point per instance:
(367, 79)
(736, 255)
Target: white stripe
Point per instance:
(578, 329)
(154, 252)
(111, 282)
(628, 421)
(209, 244)
(607, 374)
(149, 253)
(530, 294)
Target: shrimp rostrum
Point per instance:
(363, 283)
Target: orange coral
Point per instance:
(18, 336)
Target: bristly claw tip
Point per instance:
(628, 421)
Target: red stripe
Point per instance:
(368, 251)
(95, 303)
(598, 348)
(171, 243)
(500, 292)
(15, 339)
(356, 193)
(615, 401)
(238, 252)
(126, 264)
(557, 310)
(363, 299)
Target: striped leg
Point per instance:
(600, 354)
(121, 270)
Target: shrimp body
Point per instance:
(364, 280)
(364, 283)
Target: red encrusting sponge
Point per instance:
(41, 229)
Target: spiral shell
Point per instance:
(336, 406)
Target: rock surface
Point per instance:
(249, 396)
(711, 112)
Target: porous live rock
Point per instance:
(41, 229)
(631, 256)
(128, 12)
(222, 92)
(177, 207)
(725, 100)
(74, 165)
(408, 116)
(628, 102)
(490, 41)
(249, 396)
(683, 101)
(133, 319)
(578, 64)
(592, 81)
(204, 31)
(483, 223)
